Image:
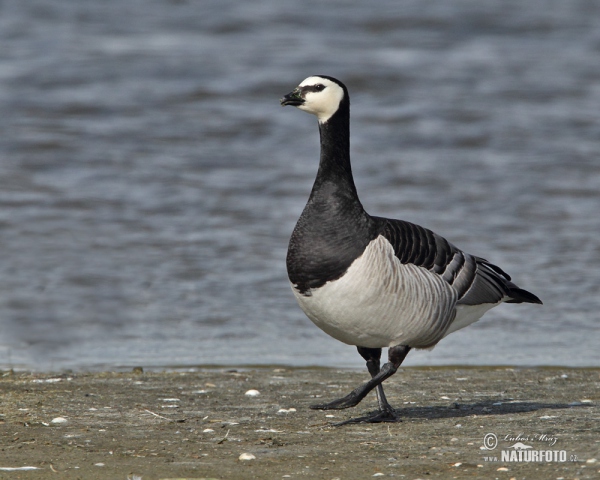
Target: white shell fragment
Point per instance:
(252, 393)
(288, 410)
(58, 420)
(16, 469)
(246, 456)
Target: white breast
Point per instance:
(380, 302)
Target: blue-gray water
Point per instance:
(149, 179)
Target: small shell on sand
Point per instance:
(246, 456)
(252, 393)
(58, 420)
(15, 469)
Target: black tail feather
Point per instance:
(518, 295)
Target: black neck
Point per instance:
(334, 165)
(333, 229)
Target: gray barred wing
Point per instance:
(475, 280)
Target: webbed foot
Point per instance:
(380, 416)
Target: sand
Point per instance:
(201, 424)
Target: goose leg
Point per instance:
(373, 356)
(396, 356)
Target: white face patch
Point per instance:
(322, 103)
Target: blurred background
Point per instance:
(149, 179)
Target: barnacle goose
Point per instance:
(375, 282)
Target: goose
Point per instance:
(375, 282)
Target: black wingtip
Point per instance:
(518, 295)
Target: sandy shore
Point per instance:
(196, 424)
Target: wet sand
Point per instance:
(197, 424)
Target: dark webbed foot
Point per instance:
(379, 416)
(350, 400)
(386, 412)
(356, 396)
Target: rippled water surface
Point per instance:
(149, 180)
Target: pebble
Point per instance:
(247, 456)
(207, 430)
(591, 460)
(252, 393)
(289, 410)
(502, 469)
(59, 420)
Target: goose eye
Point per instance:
(319, 87)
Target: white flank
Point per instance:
(322, 104)
(468, 314)
(380, 303)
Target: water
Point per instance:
(150, 180)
